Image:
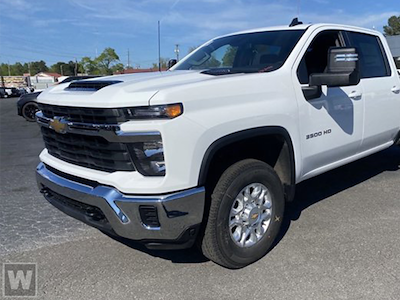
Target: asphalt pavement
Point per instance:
(340, 240)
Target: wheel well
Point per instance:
(270, 145)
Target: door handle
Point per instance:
(395, 89)
(355, 95)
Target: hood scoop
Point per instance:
(90, 85)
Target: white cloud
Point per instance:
(17, 4)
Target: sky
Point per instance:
(63, 30)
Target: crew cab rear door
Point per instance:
(381, 90)
(330, 126)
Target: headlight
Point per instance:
(148, 157)
(169, 111)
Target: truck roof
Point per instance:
(305, 26)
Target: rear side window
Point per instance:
(373, 62)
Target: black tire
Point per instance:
(217, 244)
(29, 110)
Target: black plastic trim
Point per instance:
(245, 134)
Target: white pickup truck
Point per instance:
(211, 150)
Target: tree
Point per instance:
(164, 63)
(38, 66)
(59, 67)
(117, 68)
(229, 56)
(4, 69)
(393, 27)
(18, 69)
(212, 62)
(106, 59)
(89, 66)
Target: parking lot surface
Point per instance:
(340, 240)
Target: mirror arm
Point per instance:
(312, 92)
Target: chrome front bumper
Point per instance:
(178, 213)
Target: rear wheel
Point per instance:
(245, 216)
(29, 111)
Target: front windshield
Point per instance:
(243, 53)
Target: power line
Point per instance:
(37, 44)
(47, 53)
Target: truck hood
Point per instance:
(132, 90)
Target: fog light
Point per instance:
(148, 157)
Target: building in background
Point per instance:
(43, 80)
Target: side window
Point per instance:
(315, 59)
(372, 61)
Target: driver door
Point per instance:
(331, 126)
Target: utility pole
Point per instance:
(61, 69)
(76, 67)
(159, 47)
(177, 52)
(129, 60)
(9, 70)
(29, 68)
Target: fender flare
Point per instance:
(245, 134)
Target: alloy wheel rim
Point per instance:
(250, 215)
(30, 111)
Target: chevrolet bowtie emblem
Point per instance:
(254, 216)
(59, 125)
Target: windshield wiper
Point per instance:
(227, 71)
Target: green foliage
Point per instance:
(4, 69)
(38, 66)
(164, 63)
(18, 68)
(117, 68)
(393, 27)
(229, 56)
(105, 61)
(105, 64)
(89, 66)
(66, 69)
(212, 62)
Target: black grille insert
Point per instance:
(72, 177)
(88, 151)
(84, 114)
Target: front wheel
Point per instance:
(245, 216)
(29, 111)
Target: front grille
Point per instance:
(84, 114)
(88, 151)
